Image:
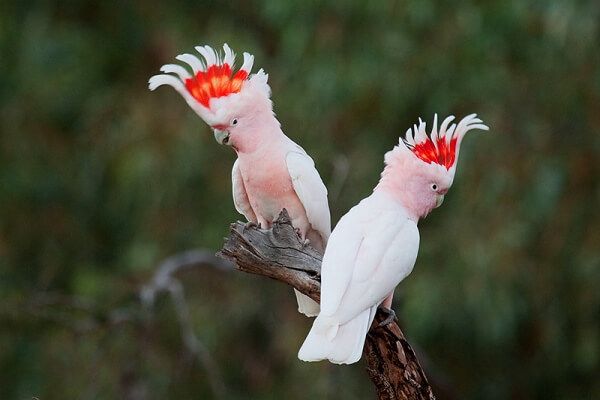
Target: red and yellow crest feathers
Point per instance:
(213, 75)
(440, 147)
(440, 152)
(217, 80)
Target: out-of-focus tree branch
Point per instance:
(278, 253)
(164, 280)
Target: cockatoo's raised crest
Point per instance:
(213, 77)
(217, 79)
(440, 147)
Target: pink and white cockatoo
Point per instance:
(375, 245)
(271, 171)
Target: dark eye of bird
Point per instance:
(434, 186)
(234, 122)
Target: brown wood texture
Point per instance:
(279, 254)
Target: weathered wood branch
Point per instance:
(279, 254)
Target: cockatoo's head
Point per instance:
(420, 170)
(229, 101)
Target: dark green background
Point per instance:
(101, 179)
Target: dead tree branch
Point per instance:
(279, 254)
(164, 280)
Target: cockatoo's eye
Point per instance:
(234, 122)
(434, 187)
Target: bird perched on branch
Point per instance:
(271, 171)
(375, 245)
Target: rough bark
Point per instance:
(279, 254)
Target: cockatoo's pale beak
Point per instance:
(439, 200)
(221, 136)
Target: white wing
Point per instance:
(240, 197)
(368, 253)
(396, 264)
(310, 190)
(339, 260)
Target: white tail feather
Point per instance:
(340, 344)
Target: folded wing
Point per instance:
(240, 197)
(311, 191)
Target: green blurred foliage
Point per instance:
(101, 179)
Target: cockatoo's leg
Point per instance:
(302, 235)
(263, 223)
(305, 242)
(251, 224)
(386, 307)
(387, 302)
(260, 224)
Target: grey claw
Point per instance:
(391, 316)
(305, 242)
(250, 225)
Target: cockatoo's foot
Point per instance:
(391, 316)
(251, 224)
(305, 241)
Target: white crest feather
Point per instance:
(181, 72)
(408, 136)
(248, 62)
(229, 55)
(159, 80)
(444, 127)
(434, 131)
(192, 60)
(467, 123)
(209, 54)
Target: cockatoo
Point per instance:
(271, 171)
(374, 246)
